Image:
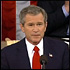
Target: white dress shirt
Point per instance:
(30, 48)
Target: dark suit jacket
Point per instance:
(16, 55)
(57, 22)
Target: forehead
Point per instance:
(34, 17)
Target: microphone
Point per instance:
(43, 61)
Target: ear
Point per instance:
(46, 26)
(22, 27)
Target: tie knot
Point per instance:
(36, 49)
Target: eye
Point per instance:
(30, 24)
(39, 24)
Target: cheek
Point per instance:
(27, 31)
(44, 29)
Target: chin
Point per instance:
(36, 40)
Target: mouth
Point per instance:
(36, 35)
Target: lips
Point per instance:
(36, 35)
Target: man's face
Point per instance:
(34, 28)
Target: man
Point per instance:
(22, 55)
(58, 18)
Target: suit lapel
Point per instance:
(46, 47)
(48, 51)
(22, 56)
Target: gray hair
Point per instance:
(32, 10)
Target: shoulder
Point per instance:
(14, 47)
(55, 42)
(55, 45)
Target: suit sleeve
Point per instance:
(56, 17)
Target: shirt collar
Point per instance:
(30, 46)
(40, 45)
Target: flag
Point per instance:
(10, 18)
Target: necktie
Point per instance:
(36, 59)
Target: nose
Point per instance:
(35, 29)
